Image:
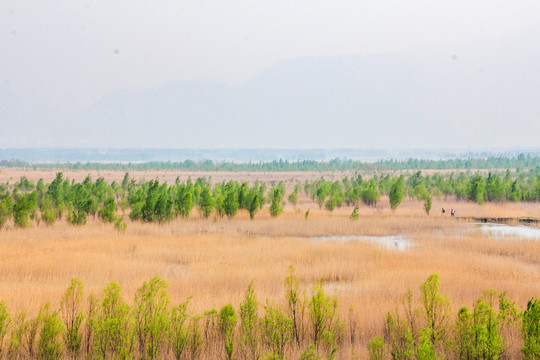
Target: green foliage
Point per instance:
(24, 208)
(56, 191)
(249, 325)
(464, 334)
(515, 192)
(322, 192)
(50, 345)
(370, 194)
(230, 202)
(77, 218)
(354, 215)
(477, 189)
(426, 347)
(310, 354)
(495, 188)
(151, 315)
(152, 202)
(184, 201)
(277, 330)
(108, 212)
(227, 325)
(120, 225)
(530, 330)
(4, 325)
(427, 204)
(296, 307)
(113, 328)
(254, 203)
(91, 317)
(48, 216)
(477, 335)
(401, 342)
(435, 310)
(18, 339)
(322, 313)
(306, 215)
(337, 196)
(206, 202)
(488, 342)
(293, 197)
(72, 316)
(194, 338)
(177, 335)
(276, 198)
(376, 348)
(6, 208)
(396, 193)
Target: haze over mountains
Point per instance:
(482, 95)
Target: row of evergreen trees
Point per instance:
(306, 326)
(495, 187)
(152, 201)
(147, 201)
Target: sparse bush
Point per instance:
(249, 325)
(322, 313)
(4, 325)
(120, 225)
(396, 193)
(108, 212)
(72, 316)
(376, 348)
(354, 215)
(151, 315)
(50, 345)
(113, 329)
(227, 324)
(178, 332)
(194, 338)
(277, 330)
(276, 198)
(531, 330)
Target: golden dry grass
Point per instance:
(214, 261)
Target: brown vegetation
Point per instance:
(214, 261)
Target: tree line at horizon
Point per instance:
(27, 202)
(306, 324)
(522, 161)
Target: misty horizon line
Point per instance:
(242, 155)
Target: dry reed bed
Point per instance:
(215, 261)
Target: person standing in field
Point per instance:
(452, 212)
(443, 211)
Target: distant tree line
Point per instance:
(151, 201)
(522, 161)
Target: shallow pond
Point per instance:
(395, 242)
(509, 231)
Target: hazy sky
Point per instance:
(72, 53)
(65, 50)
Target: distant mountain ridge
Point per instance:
(472, 97)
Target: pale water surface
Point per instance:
(509, 231)
(396, 242)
